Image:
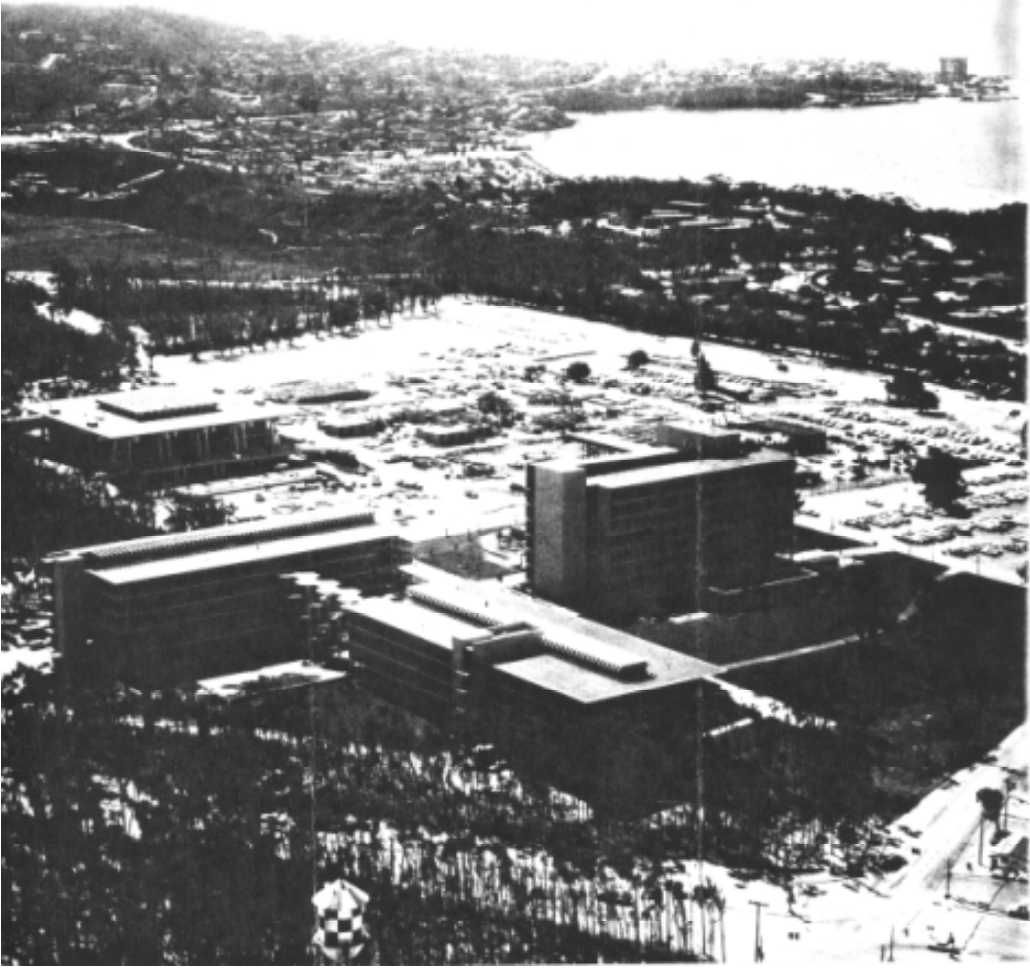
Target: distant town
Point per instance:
(546, 570)
(328, 114)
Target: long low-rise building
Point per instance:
(175, 608)
(163, 436)
(544, 683)
(451, 645)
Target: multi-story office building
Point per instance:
(700, 442)
(954, 70)
(610, 535)
(162, 437)
(176, 608)
(574, 700)
(452, 646)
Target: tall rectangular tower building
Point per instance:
(607, 538)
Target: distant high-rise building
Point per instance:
(954, 70)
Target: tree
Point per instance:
(907, 389)
(577, 371)
(493, 404)
(940, 475)
(637, 359)
(345, 313)
(991, 802)
(67, 283)
(704, 377)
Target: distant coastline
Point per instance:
(937, 153)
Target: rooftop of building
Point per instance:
(688, 469)
(641, 455)
(408, 616)
(551, 670)
(194, 542)
(139, 413)
(705, 430)
(237, 555)
(779, 424)
(605, 441)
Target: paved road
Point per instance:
(853, 922)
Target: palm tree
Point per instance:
(718, 902)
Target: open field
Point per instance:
(467, 348)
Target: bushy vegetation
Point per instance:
(39, 345)
(141, 828)
(387, 250)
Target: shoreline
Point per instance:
(667, 143)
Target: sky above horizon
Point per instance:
(909, 33)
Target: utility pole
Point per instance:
(700, 808)
(947, 889)
(758, 905)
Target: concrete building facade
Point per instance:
(450, 647)
(954, 70)
(700, 442)
(609, 536)
(160, 611)
(162, 437)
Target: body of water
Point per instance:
(941, 153)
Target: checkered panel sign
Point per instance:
(339, 907)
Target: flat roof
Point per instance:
(706, 430)
(645, 451)
(153, 404)
(686, 469)
(407, 616)
(238, 555)
(598, 439)
(779, 425)
(559, 674)
(561, 636)
(93, 415)
(192, 542)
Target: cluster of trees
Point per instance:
(147, 826)
(939, 473)
(140, 828)
(144, 828)
(39, 345)
(132, 841)
(50, 507)
(705, 91)
(921, 698)
(223, 312)
(908, 389)
(405, 249)
(721, 97)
